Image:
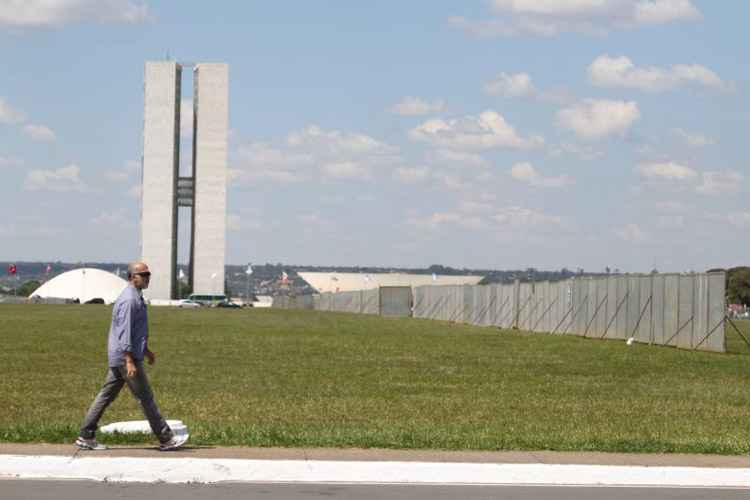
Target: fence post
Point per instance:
(516, 302)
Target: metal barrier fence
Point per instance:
(360, 301)
(685, 311)
(395, 301)
(680, 310)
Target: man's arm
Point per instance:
(125, 320)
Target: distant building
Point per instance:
(347, 282)
(164, 190)
(82, 284)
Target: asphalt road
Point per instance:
(13, 489)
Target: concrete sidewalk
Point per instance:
(388, 455)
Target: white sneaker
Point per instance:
(89, 444)
(176, 442)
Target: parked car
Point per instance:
(188, 303)
(208, 299)
(229, 304)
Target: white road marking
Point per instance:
(187, 470)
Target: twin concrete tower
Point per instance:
(204, 191)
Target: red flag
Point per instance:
(48, 269)
(284, 278)
(11, 269)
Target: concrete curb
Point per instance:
(199, 470)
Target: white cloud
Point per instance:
(597, 118)
(61, 180)
(669, 171)
(124, 174)
(526, 173)
(552, 17)
(739, 219)
(551, 7)
(117, 176)
(259, 161)
(336, 142)
(486, 131)
(8, 115)
(47, 13)
(11, 116)
(517, 85)
(516, 216)
(459, 158)
(439, 219)
(720, 182)
(473, 207)
(108, 219)
(608, 71)
(411, 175)
(40, 133)
(345, 170)
(695, 140)
(309, 154)
(631, 233)
(584, 152)
(416, 106)
(665, 11)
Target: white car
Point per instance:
(187, 303)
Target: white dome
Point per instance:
(83, 284)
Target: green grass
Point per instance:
(306, 378)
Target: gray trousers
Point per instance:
(141, 389)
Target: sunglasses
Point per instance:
(144, 274)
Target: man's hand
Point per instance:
(150, 356)
(130, 367)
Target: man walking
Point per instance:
(127, 347)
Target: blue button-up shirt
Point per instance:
(129, 330)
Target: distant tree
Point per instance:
(738, 285)
(28, 288)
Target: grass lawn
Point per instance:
(262, 377)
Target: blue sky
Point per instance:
(502, 134)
